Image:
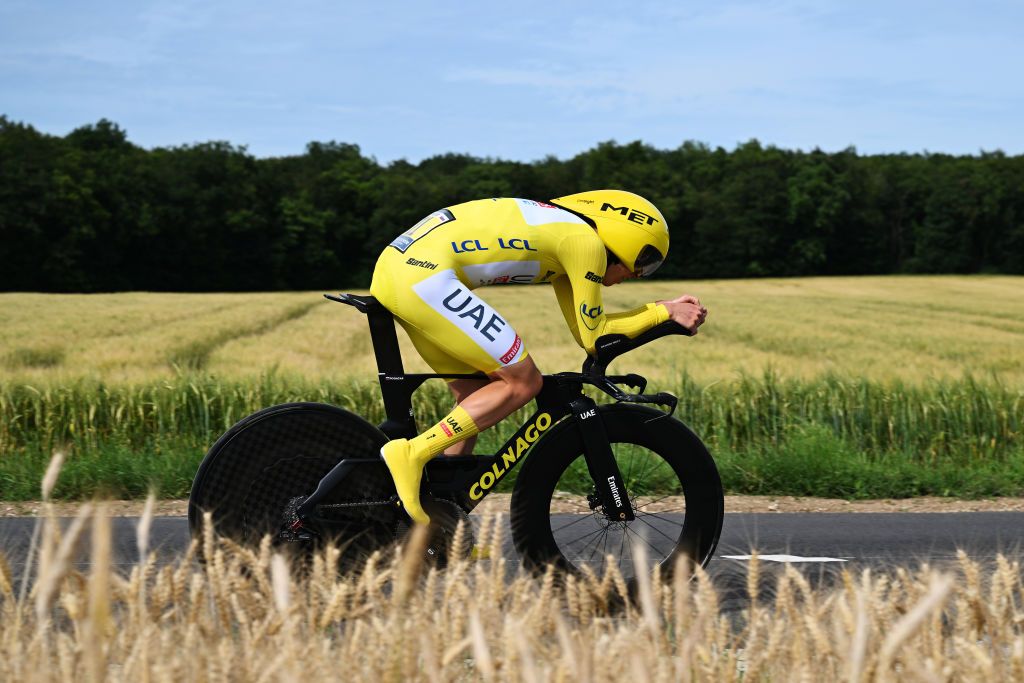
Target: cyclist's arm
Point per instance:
(579, 295)
(563, 292)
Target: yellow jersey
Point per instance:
(438, 262)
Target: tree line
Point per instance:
(90, 211)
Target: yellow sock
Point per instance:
(454, 427)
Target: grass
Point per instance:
(845, 438)
(912, 329)
(854, 387)
(243, 615)
(195, 353)
(21, 357)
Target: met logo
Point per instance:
(630, 214)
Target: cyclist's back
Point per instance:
(496, 242)
(492, 241)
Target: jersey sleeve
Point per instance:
(579, 295)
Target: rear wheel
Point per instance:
(258, 467)
(671, 481)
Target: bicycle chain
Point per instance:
(334, 506)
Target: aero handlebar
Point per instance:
(611, 346)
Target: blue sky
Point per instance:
(521, 80)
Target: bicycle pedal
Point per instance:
(478, 553)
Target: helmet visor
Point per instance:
(647, 261)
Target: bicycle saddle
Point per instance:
(365, 304)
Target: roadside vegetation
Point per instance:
(828, 437)
(246, 615)
(842, 387)
(91, 212)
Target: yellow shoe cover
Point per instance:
(406, 470)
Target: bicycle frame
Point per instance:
(468, 479)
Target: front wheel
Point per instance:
(671, 481)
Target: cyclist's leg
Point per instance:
(443, 363)
(510, 389)
(513, 386)
(443, 317)
(461, 389)
(456, 331)
(487, 401)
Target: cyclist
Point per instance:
(577, 243)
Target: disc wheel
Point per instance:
(671, 482)
(257, 467)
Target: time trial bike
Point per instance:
(597, 480)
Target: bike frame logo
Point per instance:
(498, 470)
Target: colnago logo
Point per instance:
(615, 492)
(631, 214)
(512, 351)
(509, 457)
(593, 277)
(422, 264)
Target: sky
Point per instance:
(524, 80)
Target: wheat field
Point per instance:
(851, 387)
(879, 328)
(245, 615)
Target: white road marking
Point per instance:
(784, 558)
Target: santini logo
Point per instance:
(594, 277)
(422, 264)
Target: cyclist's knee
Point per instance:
(523, 380)
(463, 388)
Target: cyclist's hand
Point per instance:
(687, 311)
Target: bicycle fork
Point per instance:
(608, 482)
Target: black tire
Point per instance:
(670, 478)
(250, 474)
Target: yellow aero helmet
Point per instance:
(630, 226)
